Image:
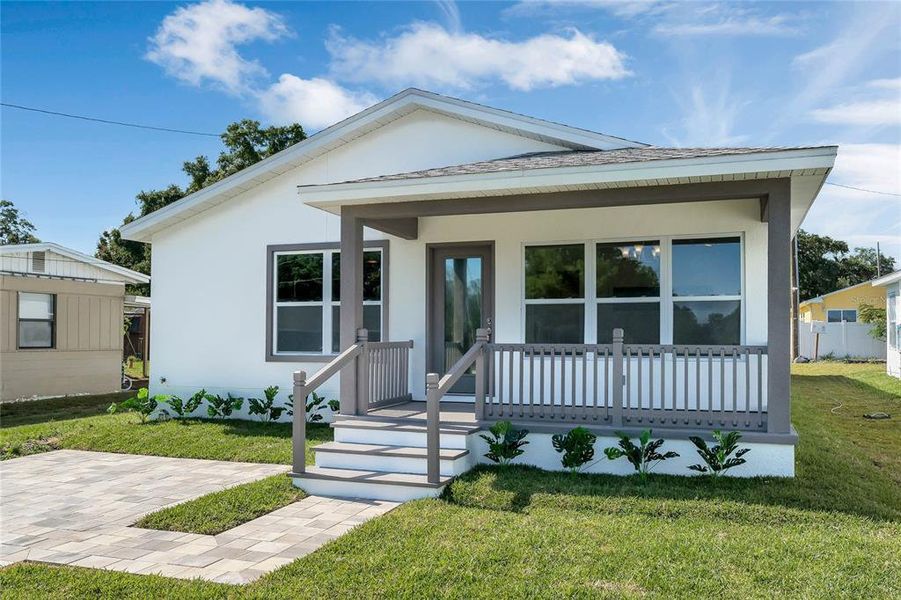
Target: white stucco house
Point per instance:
(892, 285)
(502, 253)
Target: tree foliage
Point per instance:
(246, 143)
(14, 228)
(875, 318)
(826, 264)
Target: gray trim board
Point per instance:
(271, 249)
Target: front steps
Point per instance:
(381, 459)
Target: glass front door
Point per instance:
(460, 299)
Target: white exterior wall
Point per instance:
(209, 273)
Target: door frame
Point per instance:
(488, 295)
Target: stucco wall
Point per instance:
(88, 351)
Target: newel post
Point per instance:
(363, 372)
(482, 337)
(299, 423)
(617, 381)
(432, 441)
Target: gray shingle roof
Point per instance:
(573, 158)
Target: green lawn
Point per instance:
(832, 532)
(82, 423)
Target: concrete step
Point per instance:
(398, 433)
(390, 459)
(374, 485)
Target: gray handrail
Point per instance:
(436, 389)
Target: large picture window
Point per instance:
(555, 294)
(36, 320)
(307, 300)
(680, 291)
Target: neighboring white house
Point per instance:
(892, 285)
(439, 217)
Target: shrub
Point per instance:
(143, 403)
(505, 443)
(577, 447)
(314, 406)
(717, 458)
(644, 456)
(266, 408)
(217, 406)
(184, 408)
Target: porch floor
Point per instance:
(451, 412)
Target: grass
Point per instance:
(833, 531)
(223, 510)
(135, 370)
(83, 424)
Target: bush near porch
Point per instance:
(834, 531)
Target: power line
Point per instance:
(851, 187)
(107, 121)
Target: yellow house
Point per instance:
(841, 305)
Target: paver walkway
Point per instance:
(75, 507)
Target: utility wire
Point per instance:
(851, 187)
(108, 122)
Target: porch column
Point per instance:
(778, 308)
(351, 303)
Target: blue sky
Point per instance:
(683, 74)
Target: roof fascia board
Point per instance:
(516, 181)
(887, 279)
(397, 106)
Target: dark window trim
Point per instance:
(382, 245)
(52, 322)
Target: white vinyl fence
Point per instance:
(839, 340)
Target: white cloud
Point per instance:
(741, 25)
(711, 111)
(198, 43)
(867, 112)
(316, 103)
(427, 54)
(451, 13)
(621, 8)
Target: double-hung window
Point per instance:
(628, 291)
(307, 300)
(36, 320)
(665, 290)
(555, 293)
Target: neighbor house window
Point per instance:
(36, 320)
(670, 291)
(893, 327)
(628, 291)
(307, 300)
(841, 316)
(555, 293)
(706, 279)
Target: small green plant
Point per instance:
(505, 443)
(217, 406)
(717, 458)
(577, 447)
(183, 408)
(143, 403)
(266, 408)
(643, 456)
(314, 406)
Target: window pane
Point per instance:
(35, 306)
(299, 329)
(849, 316)
(299, 278)
(716, 322)
(372, 276)
(640, 322)
(372, 321)
(628, 270)
(35, 334)
(555, 271)
(707, 267)
(555, 323)
(834, 316)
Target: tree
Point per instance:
(245, 143)
(14, 228)
(875, 318)
(826, 264)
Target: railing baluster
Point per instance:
(747, 388)
(709, 386)
(541, 382)
(510, 391)
(760, 389)
(531, 382)
(722, 386)
(521, 395)
(734, 389)
(553, 387)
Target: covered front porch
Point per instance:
(677, 389)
